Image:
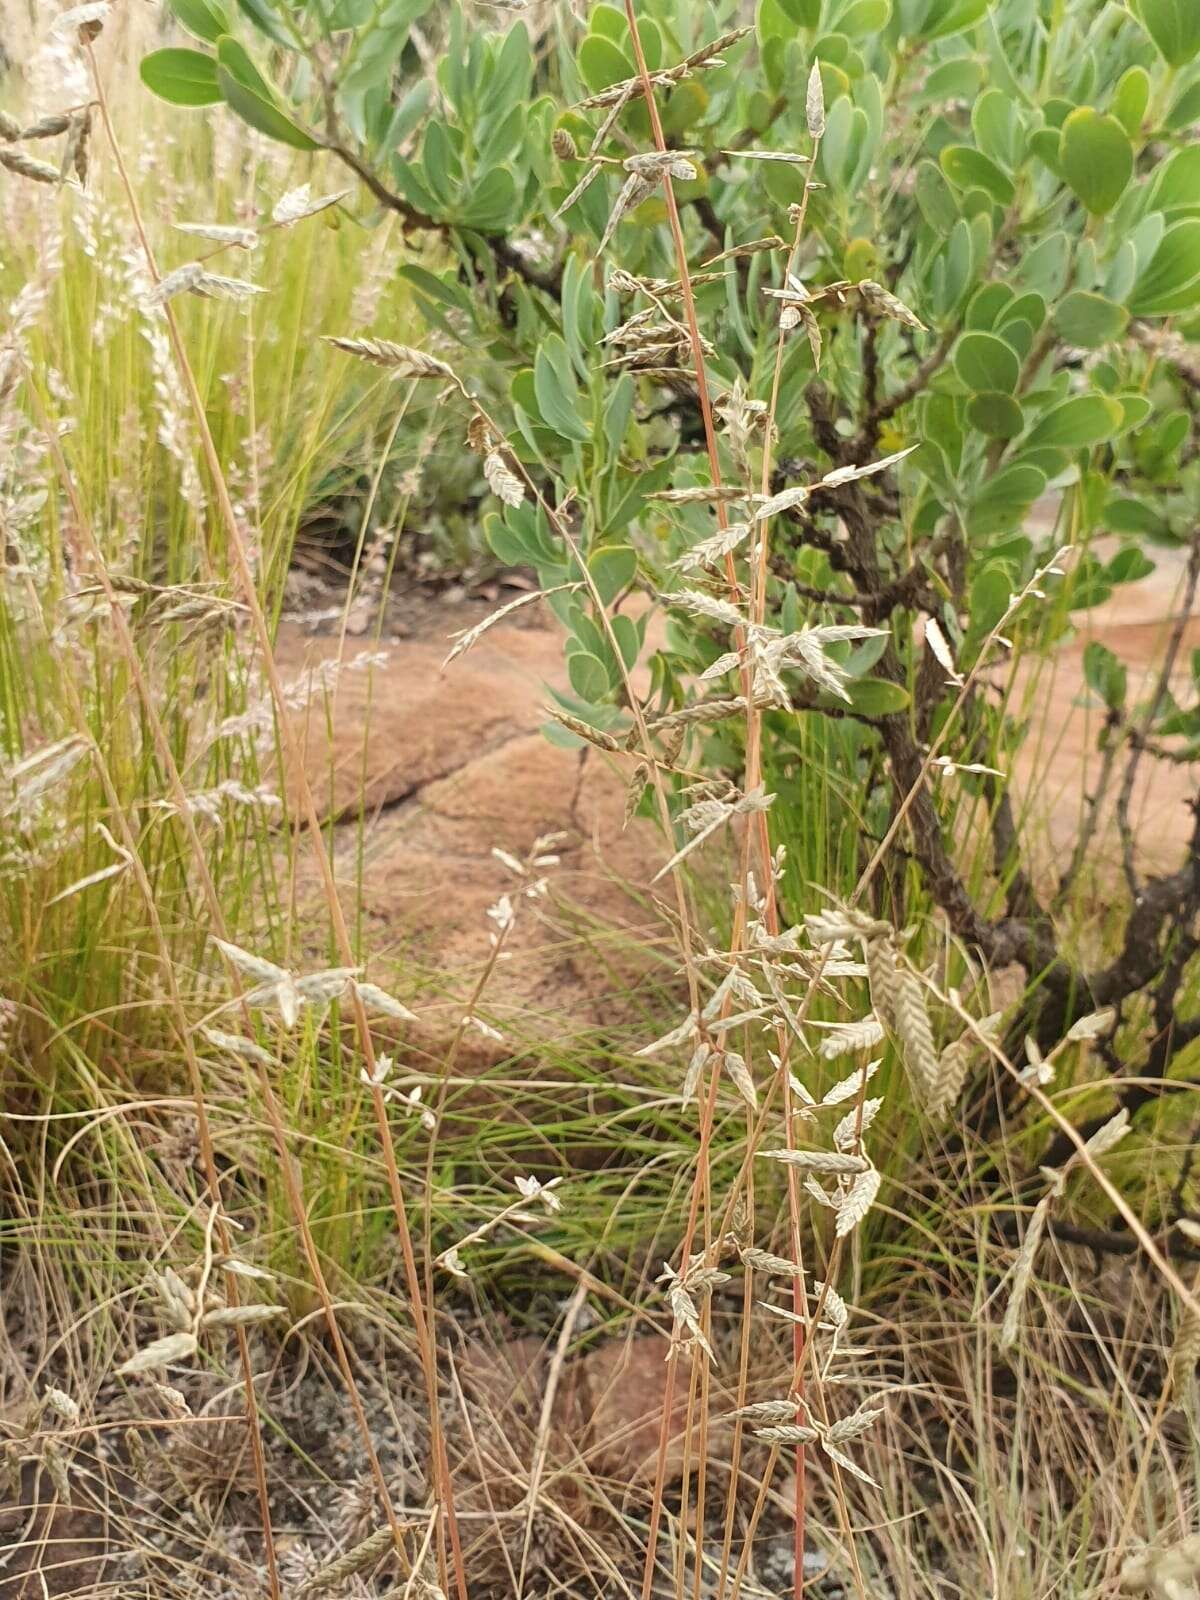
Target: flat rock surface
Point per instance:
(452, 767)
(1060, 765)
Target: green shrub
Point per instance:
(989, 307)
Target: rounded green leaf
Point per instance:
(554, 388)
(1130, 99)
(996, 414)
(991, 594)
(997, 127)
(1043, 270)
(629, 640)
(1084, 419)
(946, 17)
(873, 697)
(1089, 319)
(1171, 281)
(1019, 334)
(1104, 674)
(492, 203)
(985, 362)
(935, 198)
(206, 20)
(1174, 25)
(1129, 565)
(1029, 307)
(1185, 111)
(609, 22)
(240, 64)
(612, 568)
(1177, 183)
(1136, 410)
(1124, 514)
(958, 79)
(601, 63)
(862, 17)
(439, 166)
(266, 21)
(987, 305)
(968, 168)
(1046, 144)
(1018, 485)
(246, 92)
(588, 677)
(262, 114)
(508, 544)
(1004, 500)
(806, 13)
(184, 77)
(1097, 159)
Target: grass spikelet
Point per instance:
(882, 976)
(1023, 1272)
(860, 1197)
(29, 167)
(360, 1558)
(502, 480)
(401, 359)
(1185, 1350)
(915, 1035)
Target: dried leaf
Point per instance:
(1093, 1026)
(792, 157)
(1104, 1139)
(86, 883)
(936, 640)
(847, 1465)
(213, 286)
(852, 1126)
(849, 1088)
(735, 1066)
(706, 605)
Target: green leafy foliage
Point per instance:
(1104, 674)
(1024, 193)
(1174, 25)
(1096, 158)
(182, 77)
